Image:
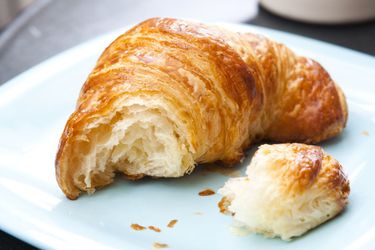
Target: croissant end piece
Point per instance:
(169, 94)
(289, 189)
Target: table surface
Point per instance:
(48, 27)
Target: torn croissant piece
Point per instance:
(169, 94)
(289, 189)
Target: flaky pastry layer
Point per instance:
(169, 94)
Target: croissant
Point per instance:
(169, 94)
(289, 189)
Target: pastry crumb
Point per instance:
(156, 229)
(159, 245)
(206, 192)
(365, 133)
(223, 205)
(172, 223)
(137, 227)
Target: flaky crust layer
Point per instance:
(219, 90)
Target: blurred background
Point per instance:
(34, 30)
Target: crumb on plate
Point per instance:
(223, 170)
(223, 205)
(153, 228)
(172, 223)
(206, 192)
(137, 227)
(159, 245)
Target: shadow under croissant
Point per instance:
(335, 140)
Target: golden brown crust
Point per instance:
(304, 165)
(229, 89)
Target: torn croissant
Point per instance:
(289, 189)
(169, 94)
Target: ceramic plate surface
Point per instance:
(35, 106)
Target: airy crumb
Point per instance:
(172, 223)
(156, 229)
(365, 133)
(159, 245)
(137, 227)
(206, 192)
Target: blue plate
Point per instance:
(35, 106)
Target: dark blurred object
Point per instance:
(8, 242)
(9, 9)
(323, 11)
(360, 36)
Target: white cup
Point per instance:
(323, 11)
